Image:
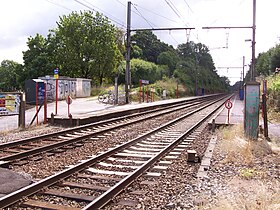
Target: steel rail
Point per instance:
(106, 197)
(35, 187)
(50, 147)
(49, 135)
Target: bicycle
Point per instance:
(107, 98)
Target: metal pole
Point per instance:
(128, 41)
(37, 120)
(253, 41)
(45, 104)
(56, 95)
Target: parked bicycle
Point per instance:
(107, 98)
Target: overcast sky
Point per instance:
(21, 19)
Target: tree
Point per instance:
(150, 45)
(197, 67)
(9, 74)
(170, 59)
(86, 46)
(36, 59)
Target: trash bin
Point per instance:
(241, 94)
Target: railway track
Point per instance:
(92, 183)
(75, 137)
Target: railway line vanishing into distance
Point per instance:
(92, 164)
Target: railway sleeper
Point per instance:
(45, 205)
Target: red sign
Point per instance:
(228, 104)
(69, 100)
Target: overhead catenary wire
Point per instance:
(174, 21)
(59, 5)
(150, 23)
(188, 6)
(91, 8)
(121, 3)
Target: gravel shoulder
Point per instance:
(242, 175)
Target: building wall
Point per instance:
(67, 86)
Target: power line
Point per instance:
(121, 3)
(157, 14)
(59, 5)
(85, 5)
(173, 38)
(176, 11)
(188, 6)
(168, 3)
(143, 16)
(103, 11)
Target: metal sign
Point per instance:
(55, 72)
(144, 81)
(68, 100)
(228, 104)
(9, 104)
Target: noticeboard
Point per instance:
(144, 81)
(9, 104)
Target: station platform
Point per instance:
(232, 116)
(81, 109)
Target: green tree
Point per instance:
(9, 74)
(141, 69)
(36, 59)
(86, 46)
(197, 67)
(170, 59)
(150, 45)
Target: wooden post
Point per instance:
(264, 109)
(45, 104)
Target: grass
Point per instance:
(250, 189)
(254, 195)
(238, 149)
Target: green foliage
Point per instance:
(170, 59)
(141, 69)
(87, 46)
(83, 45)
(170, 85)
(37, 58)
(150, 45)
(267, 62)
(273, 90)
(249, 173)
(10, 75)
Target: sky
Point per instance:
(21, 19)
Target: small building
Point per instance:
(75, 87)
(31, 92)
(83, 87)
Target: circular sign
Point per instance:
(55, 71)
(69, 100)
(228, 104)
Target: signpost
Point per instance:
(143, 83)
(13, 103)
(228, 105)
(69, 101)
(55, 72)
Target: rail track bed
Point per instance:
(95, 181)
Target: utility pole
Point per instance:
(253, 42)
(128, 49)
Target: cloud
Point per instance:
(22, 19)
